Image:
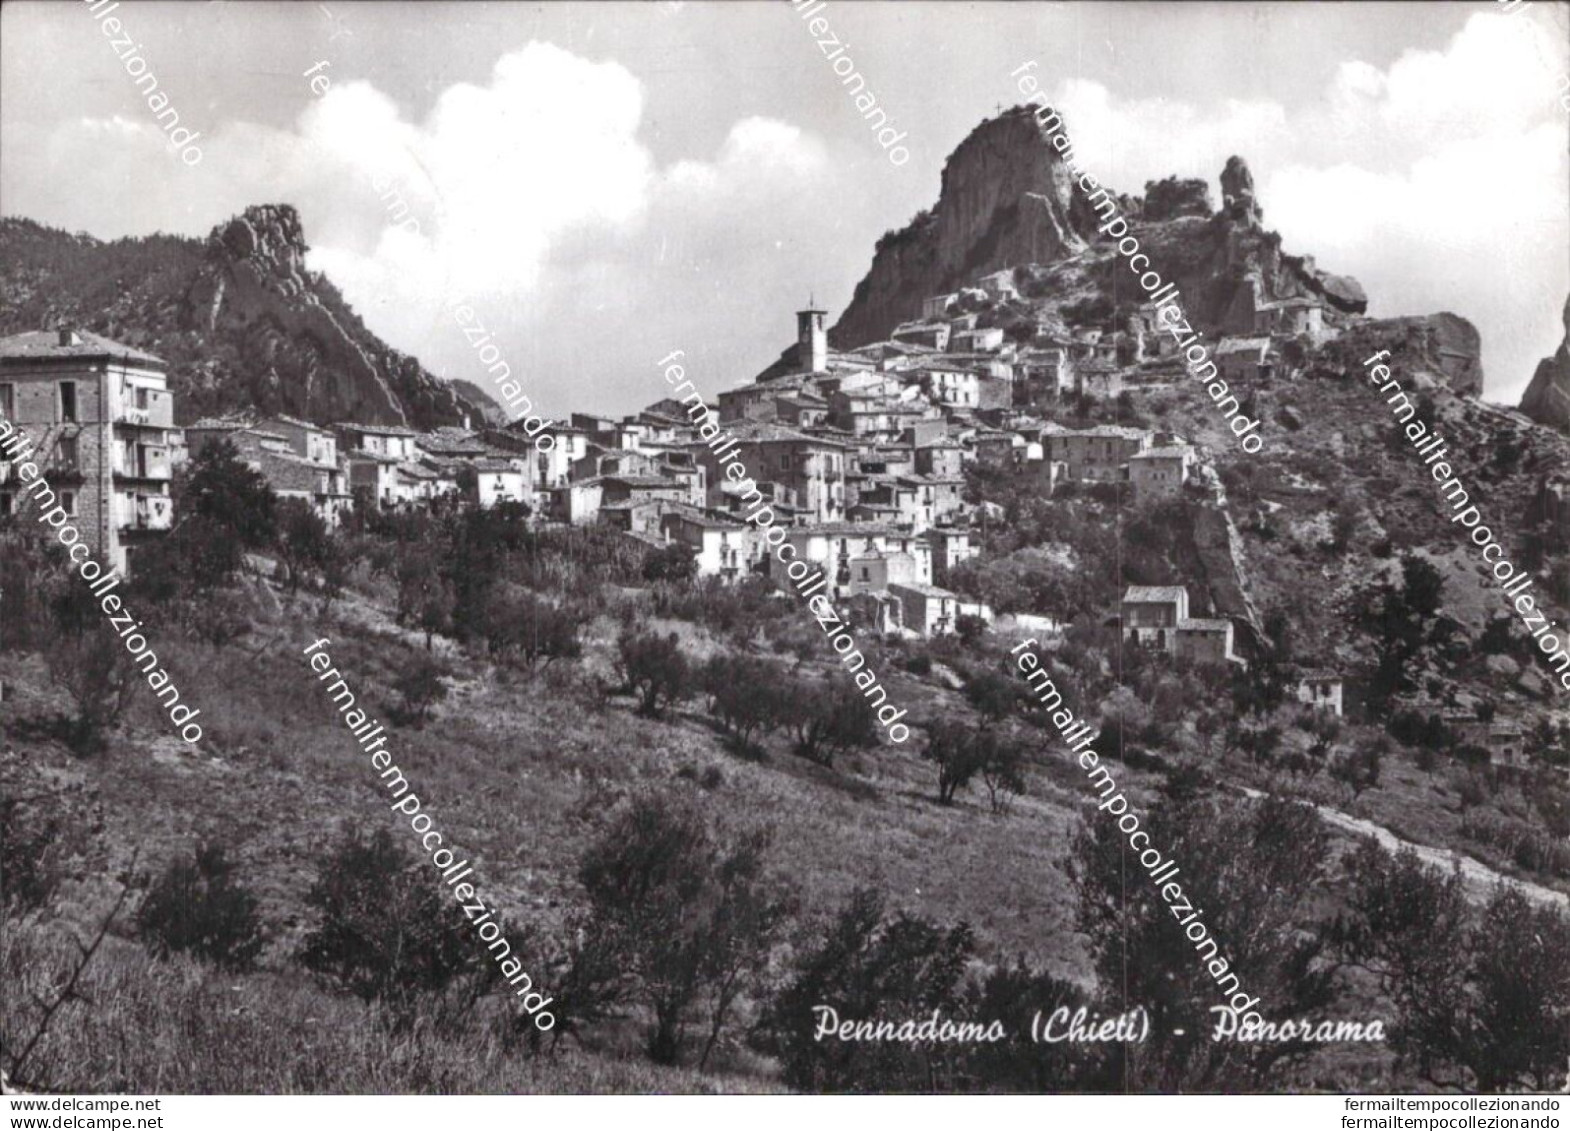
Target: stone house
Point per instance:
(1099, 454)
(379, 439)
(934, 335)
(951, 545)
(832, 547)
(809, 470)
(1156, 617)
(1160, 471)
(100, 419)
(926, 609)
(721, 548)
(496, 481)
(1243, 358)
(1321, 690)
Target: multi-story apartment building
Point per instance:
(809, 470)
(101, 420)
(1096, 454)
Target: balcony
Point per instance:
(149, 512)
(144, 461)
(146, 408)
(63, 469)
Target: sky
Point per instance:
(605, 183)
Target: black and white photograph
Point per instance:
(784, 547)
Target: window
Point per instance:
(8, 400)
(785, 463)
(68, 453)
(68, 401)
(68, 502)
(5, 503)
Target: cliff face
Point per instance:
(1007, 198)
(301, 347)
(241, 321)
(1547, 398)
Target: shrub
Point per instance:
(100, 676)
(386, 931)
(420, 685)
(1481, 994)
(867, 968)
(748, 695)
(28, 877)
(655, 669)
(303, 542)
(957, 753)
(830, 722)
(197, 907)
(531, 629)
(674, 563)
(686, 921)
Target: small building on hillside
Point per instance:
(1156, 617)
(926, 609)
(951, 545)
(721, 548)
(1243, 359)
(1160, 471)
(100, 419)
(1204, 640)
(1100, 454)
(1321, 690)
(497, 481)
(379, 439)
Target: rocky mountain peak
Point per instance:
(269, 236)
(1237, 192)
(1547, 398)
(1007, 198)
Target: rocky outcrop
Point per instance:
(1007, 198)
(1547, 398)
(1170, 198)
(244, 326)
(1444, 345)
(301, 349)
(1237, 192)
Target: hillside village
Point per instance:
(863, 452)
(996, 445)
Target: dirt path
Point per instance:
(1478, 878)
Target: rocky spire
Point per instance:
(1547, 398)
(1237, 192)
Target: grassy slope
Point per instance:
(516, 772)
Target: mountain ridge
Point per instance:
(243, 324)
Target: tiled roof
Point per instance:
(44, 345)
(1203, 624)
(1229, 346)
(375, 429)
(1155, 593)
(924, 590)
(372, 457)
(648, 481)
(848, 530)
(760, 431)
